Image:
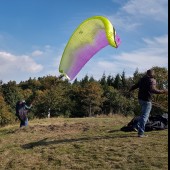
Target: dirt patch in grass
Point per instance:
(58, 129)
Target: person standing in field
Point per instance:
(147, 87)
(48, 113)
(22, 112)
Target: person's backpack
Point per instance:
(21, 112)
(17, 107)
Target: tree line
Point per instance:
(83, 98)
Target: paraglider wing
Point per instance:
(91, 36)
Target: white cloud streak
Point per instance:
(16, 65)
(153, 8)
(37, 53)
(133, 12)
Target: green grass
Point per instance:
(81, 144)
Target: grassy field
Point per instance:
(81, 144)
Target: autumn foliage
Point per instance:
(83, 98)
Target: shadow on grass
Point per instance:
(46, 142)
(112, 131)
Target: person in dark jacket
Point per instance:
(147, 87)
(22, 111)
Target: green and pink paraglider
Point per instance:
(90, 37)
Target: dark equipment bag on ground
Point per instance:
(157, 122)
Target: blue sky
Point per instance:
(34, 33)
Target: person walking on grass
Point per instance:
(147, 87)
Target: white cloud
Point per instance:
(47, 46)
(161, 42)
(134, 13)
(105, 64)
(147, 8)
(37, 53)
(155, 53)
(13, 67)
(126, 23)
